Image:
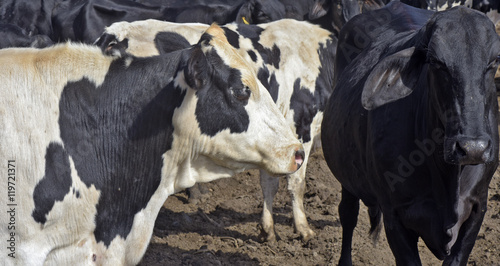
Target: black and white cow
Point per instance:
(297, 71)
(97, 143)
(411, 129)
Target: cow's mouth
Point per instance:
(299, 158)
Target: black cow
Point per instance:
(33, 16)
(84, 21)
(411, 130)
(14, 36)
(262, 11)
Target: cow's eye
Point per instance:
(262, 17)
(436, 63)
(241, 94)
(111, 44)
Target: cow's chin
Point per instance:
(288, 166)
(275, 161)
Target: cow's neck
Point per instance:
(448, 184)
(126, 119)
(189, 160)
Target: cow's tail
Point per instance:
(375, 222)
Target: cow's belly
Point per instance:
(121, 251)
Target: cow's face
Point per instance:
(227, 116)
(343, 11)
(258, 11)
(461, 80)
(234, 114)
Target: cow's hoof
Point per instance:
(197, 193)
(268, 235)
(306, 233)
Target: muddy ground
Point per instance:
(222, 229)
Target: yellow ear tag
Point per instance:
(245, 20)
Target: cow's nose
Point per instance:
(299, 158)
(472, 151)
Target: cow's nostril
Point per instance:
(299, 157)
(472, 150)
(460, 150)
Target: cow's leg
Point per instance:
(297, 187)
(348, 213)
(402, 241)
(468, 233)
(269, 187)
(198, 193)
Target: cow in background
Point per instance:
(84, 21)
(297, 72)
(14, 36)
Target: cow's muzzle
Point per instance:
(464, 151)
(299, 158)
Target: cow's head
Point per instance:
(258, 11)
(456, 58)
(234, 114)
(228, 118)
(343, 11)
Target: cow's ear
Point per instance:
(196, 71)
(393, 78)
(110, 45)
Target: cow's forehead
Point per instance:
(119, 29)
(468, 27)
(232, 58)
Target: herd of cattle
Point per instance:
(112, 106)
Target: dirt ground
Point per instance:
(222, 229)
